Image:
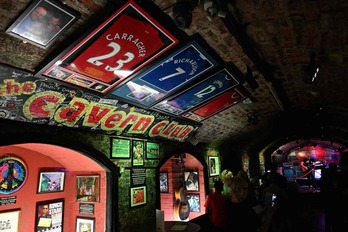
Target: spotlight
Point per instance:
(311, 72)
(182, 13)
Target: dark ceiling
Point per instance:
(272, 40)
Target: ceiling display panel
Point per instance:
(208, 89)
(222, 102)
(170, 74)
(121, 45)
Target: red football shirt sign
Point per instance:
(125, 42)
(119, 50)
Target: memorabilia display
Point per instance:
(9, 220)
(138, 151)
(84, 224)
(14, 174)
(120, 148)
(163, 181)
(87, 188)
(42, 22)
(51, 181)
(137, 196)
(49, 216)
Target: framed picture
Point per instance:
(192, 181)
(122, 44)
(84, 224)
(194, 201)
(10, 219)
(49, 215)
(152, 150)
(168, 75)
(87, 188)
(211, 87)
(214, 166)
(137, 196)
(51, 181)
(216, 105)
(138, 152)
(42, 22)
(163, 182)
(120, 148)
(15, 169)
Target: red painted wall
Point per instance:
(27, 196)
(168, 199)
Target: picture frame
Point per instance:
(85, 224)
(194, 202)
(87, 188)
(228, 99)
(11, 217)
(49, 215)
(101, 58)
(163, 182)
(192, 181)
(144, 90)
(138, 151)
(137, 196)
(19, 171)
(152, 150)
(43, 22)
(120, 148)
(221, 80)
(51, 181)
(214, 166)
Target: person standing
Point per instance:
(241, 216)
(215, 208)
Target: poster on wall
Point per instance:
(51, 181)
(163, 176)
(137, 196)
(9, 220)
(84, 224)
(194, 202)
(192, 181)
(214, 166)
(122, 44)
(49, 216)
(152, 150)
(120, 148)
(138, 152)
(87, 188)
(13, 174)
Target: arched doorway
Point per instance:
(178, 171)
(48, 158)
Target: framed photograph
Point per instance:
(51, 181)
(122, 44)
(192, 181)
(138, 151)
(152, 150)
(163, 182)
(15, 169)
(211, 87)
(49, 215)
(10, 219)
(168, 75)
(137, 196)
(214, 166)
(195, 202)
(227, 99)
(120, 148)
(87, 188)
(42, 22)
(84, 224)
